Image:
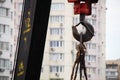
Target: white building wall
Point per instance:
(6, 39)
(102, 29)
(95, 47)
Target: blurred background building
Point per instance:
(60, 52)
(113, 69)
(17, 8)
(6, 39)
(18, 5)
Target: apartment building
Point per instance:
(18, 6)
(6, 38)
(60, 52)
(113, 69)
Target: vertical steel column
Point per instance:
(34, 24)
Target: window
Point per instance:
(91, 45)
(93, 22)
(56, 56)
(76, 20)
(4, 78)
(57, 19)
(4, 45)
(12, 16)
(91, 70)
(56, 31)
(56, 43)
(4, 11)
(111, 66)
(4, 28)
(20, 6)
(4, 63)
(56, 69)
(94, 10)
(90, 58)
(113, 73)
(11, 65)
(57, 6)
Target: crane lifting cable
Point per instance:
(83, 8)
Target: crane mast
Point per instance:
(31, 40)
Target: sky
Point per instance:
(112, 29)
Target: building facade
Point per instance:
(60, 52)
(113, 69)
(6, 38)
(18, 6)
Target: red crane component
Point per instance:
(82, 6)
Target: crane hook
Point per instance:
(89, 30)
